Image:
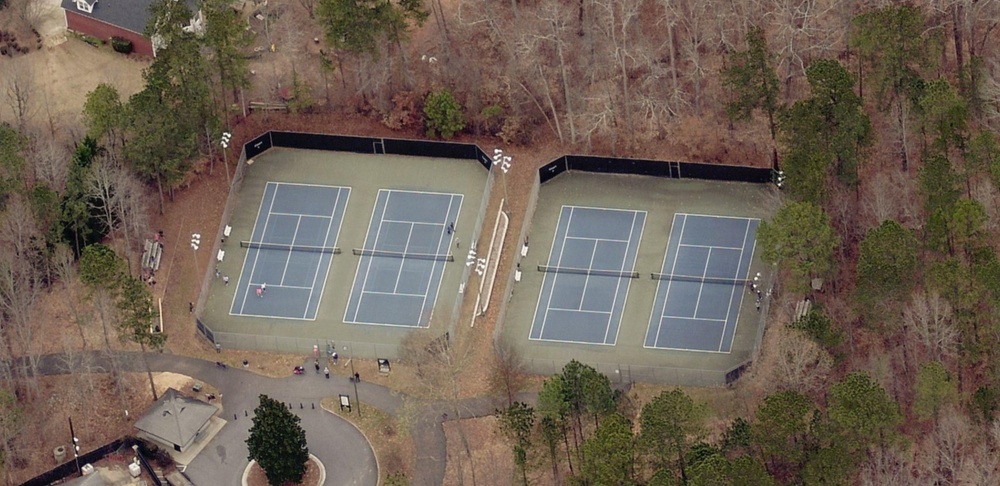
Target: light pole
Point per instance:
(354, 378)
(225, 153)
(195, 244)
(504, 162)
(480, 264)
(76, 445)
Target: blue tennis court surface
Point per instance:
(305, 219)
(712, 255)
(576, 305)
(403, 259)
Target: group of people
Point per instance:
(262, 290)
(755, 289)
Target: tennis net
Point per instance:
(688, 278)
(395, 254)
(286, 247)
(588, 271)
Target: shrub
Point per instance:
(121, 44)
(443, 114)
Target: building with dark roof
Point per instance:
(127, 19)
(176, 420)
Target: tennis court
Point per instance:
(702, 283)
(589, 270)
(405, 251)
(290, 250)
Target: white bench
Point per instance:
(221, 255)
(229, 229)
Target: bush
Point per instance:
(820, 328)
(121, 44)
(443, 114)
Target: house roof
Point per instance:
(127, 14)
(175, 418)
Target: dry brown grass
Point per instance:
(388, 435)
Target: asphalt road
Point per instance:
(343, 450)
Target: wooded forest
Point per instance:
(881, 115)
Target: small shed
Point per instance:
(176, 420)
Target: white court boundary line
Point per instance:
(246, 255)
(368, 234)
(256, 256)
(461, 199)
(572, 208)
(725, 322)
(339, 190)
(555, 278)
(370, 259)
(739, 308)
(628, 283)
(329, 263)
(673, 266)
(732, 292)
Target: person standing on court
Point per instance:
(316, 363)
(263, 288)
(260, 293)
(225, 279)
(326, 371)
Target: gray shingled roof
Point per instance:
(175, 418)
(127, 14)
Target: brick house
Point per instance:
(105, 19)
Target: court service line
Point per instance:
(296, 287)
(673, 267)
(256, 256)
(434, 264)
(402, 261)
(631, 232)
(701, 286)
(729, 310)
(329, 261)
(367, 259)
(288, 257)
(377, 292)
(692, 318)
(555, 277)
(411, 222)
(714, 247)
(582, 311)
(586, 278)
(280, 213)
(587, 238)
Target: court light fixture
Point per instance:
(471, 259)
(481, 266)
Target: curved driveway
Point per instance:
(344, 451)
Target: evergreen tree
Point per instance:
(750, 78)
(799, 236)
(277, 442)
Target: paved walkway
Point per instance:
(348, 457)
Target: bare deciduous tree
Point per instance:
(927, 319)
(19, 87)
(20, 282)
(800, 363)
(887, 467)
